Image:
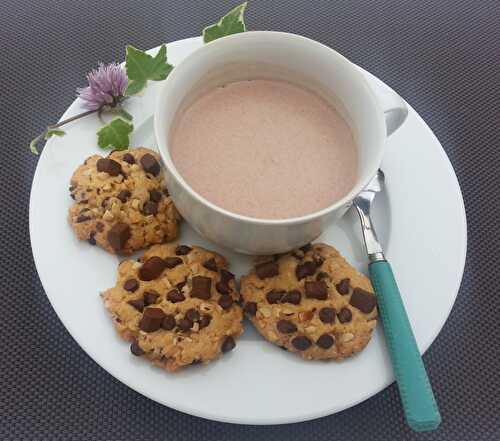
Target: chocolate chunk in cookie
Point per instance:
(131, 285)
(151, 319)
(150, 164)
(201, 287)
(152, 268)
(109, 166)
(305, 269)
(266, 270)
(316, 290)
(182, 250)
(211, 265)
(301, 343)
(118, 235)
(327, 315)
(343, 286)
(363, 300)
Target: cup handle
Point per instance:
(394, 108)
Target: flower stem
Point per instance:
(73, 118)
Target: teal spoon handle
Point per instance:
(418, 400)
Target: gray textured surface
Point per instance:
(443, 56)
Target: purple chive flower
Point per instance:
(106, 87)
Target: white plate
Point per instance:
(421, 221)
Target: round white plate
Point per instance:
(421, 222)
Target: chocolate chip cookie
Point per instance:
(178, 305)
(121, 202)
(311, 301)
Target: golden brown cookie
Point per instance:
(177, 305)
(121, 202)
(311, 301)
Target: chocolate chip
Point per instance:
(327, 315)
(267, 269)
(301, 343)
(91, 240)
(343, 286)
(137, 304)
(165, 192)
(152, 268)
(275, 296)
(182, 250)
(118, 236)
(150, 297)
(181, 285)
(175, 296)
(365, 301)
(193, 315)
(306, 248)
(150, 208)
(123, 195)
(322, 275)
(316, 290)
(305, 269)
(131, 285)
(250, 308)
(344, 315)
(172, 262)
(99, 226)
(168, 322)
(127, 157)
(325, 341)
(225, 301)
(205, 320)
(286, 327)
(228, 344)
(151, 319)
(72, 195)
(155, 195)
(136, 349)
(82, 218)
(222, 287)
(201, 287)
(225, 275)
(150, 164)
(184, 324)
(109, 166)
(292, 297)
(211, 265)
(71, 188)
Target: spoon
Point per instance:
(419, 404)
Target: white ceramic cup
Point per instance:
(371, 117)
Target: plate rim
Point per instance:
(271, 420)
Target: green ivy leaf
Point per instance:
(142, 67)
(232, 23)
(115, 135)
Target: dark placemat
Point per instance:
(443, 56)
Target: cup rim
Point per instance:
(167, 160)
